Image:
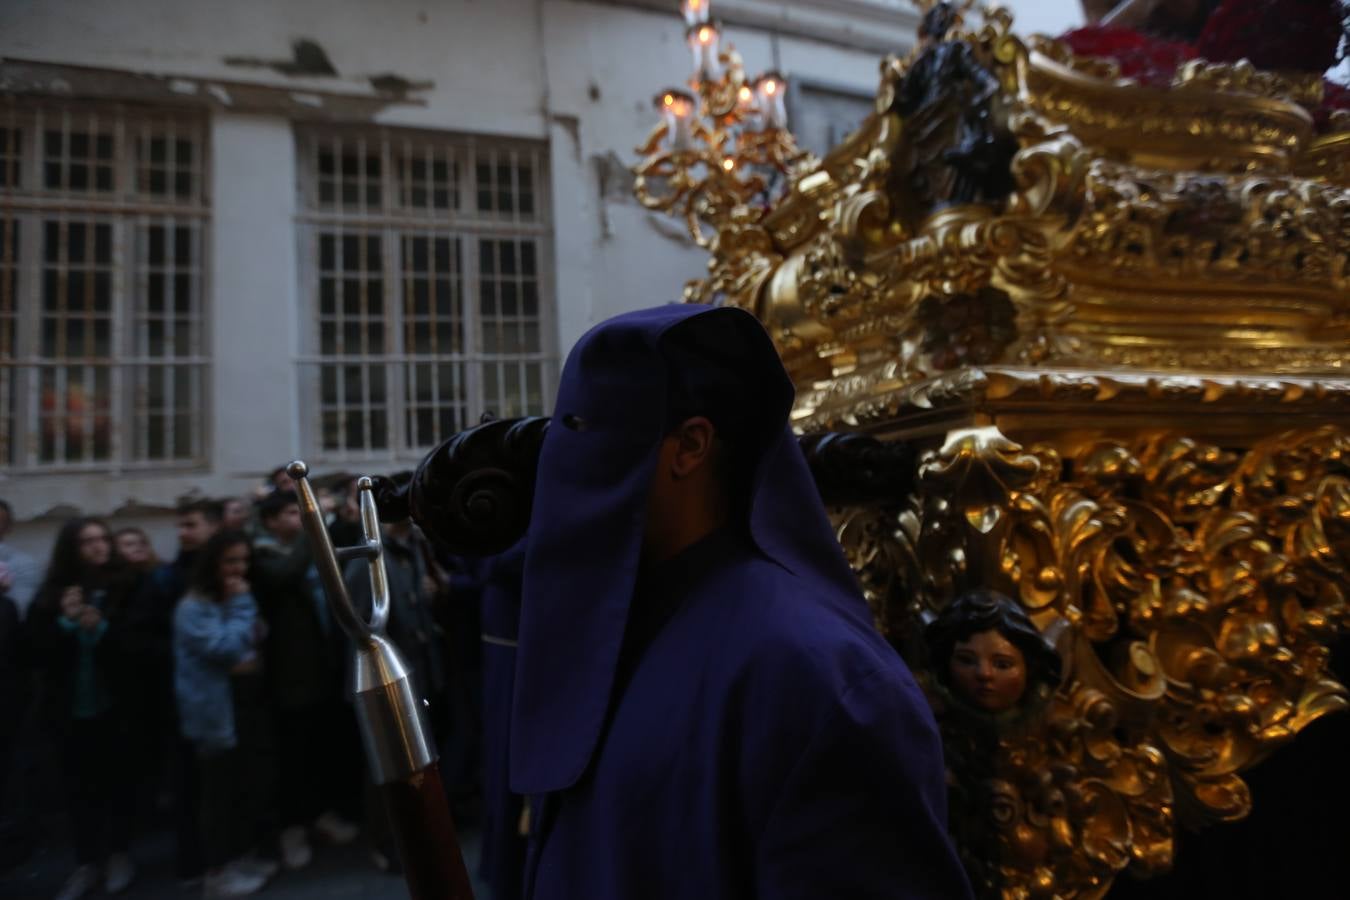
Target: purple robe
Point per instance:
(502, 862)
(727, 724)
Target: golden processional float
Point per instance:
(1111, 320)
(1071, 355)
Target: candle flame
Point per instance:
(705, 35)
(745, 94)
(695, 11)
(771, 87)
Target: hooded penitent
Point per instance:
(727, 723)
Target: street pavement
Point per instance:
(346, 873)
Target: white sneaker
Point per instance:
(335, 829)
(266, 869)
(230, 882)
(118, 874)
(80, 882)
(295, 852)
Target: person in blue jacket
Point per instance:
(702, 706)
(216, 639)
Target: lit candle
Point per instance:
(704, 42)
(695, 12)
(677, 108)
(771, 92)
(745, 108)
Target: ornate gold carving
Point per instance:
(1197, 125)
(1328, 157)
(1243, 78)
(1191, 591)
(1147, 227)
(879, 544)
(882, 393)
(1283, 231)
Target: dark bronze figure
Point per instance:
(956, 148)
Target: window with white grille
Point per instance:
(103, 213)
(429, 286)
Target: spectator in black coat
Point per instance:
(13, 681)
(148, 640)
(76, 627)
(317, 740)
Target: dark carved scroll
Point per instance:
(857, 469)
(473, 493)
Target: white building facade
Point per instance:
(236, 233)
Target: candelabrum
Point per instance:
(722, 149)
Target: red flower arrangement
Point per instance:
(1279, 35)
(1148, 60)
(1334, 96)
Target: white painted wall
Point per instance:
(579, 74)
(1052, 17)
(255, 293)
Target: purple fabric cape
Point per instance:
(768, 743)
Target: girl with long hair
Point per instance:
(75, 631)
(132, 546)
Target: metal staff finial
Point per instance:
(328, 558)
(394, 730)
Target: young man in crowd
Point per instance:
(235, 515)
(149, 632)
(304, 652)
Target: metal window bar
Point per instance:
(362, 186)
(9, 272)
(170, 239)
(170, 160)
(339, 176)
(515, 187)
(10, 150)
(339, 307)
(365, 340)
(386, 429)
(312, 180)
